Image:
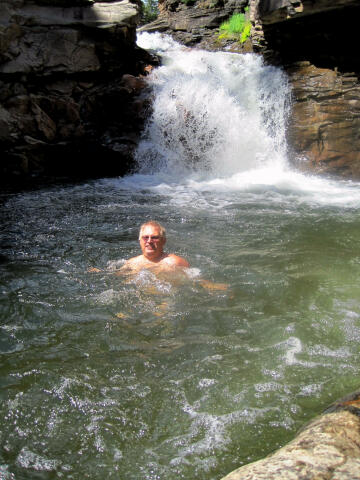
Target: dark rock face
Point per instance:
(316, 43)
(324, 130)
(327, 36)
(71, 102)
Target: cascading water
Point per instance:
(186, 376)
(214, 113)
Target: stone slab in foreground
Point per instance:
(326, 449)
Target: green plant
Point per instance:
(237, 27)
(246, 31)
(149, 10)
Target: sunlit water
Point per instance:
(168, 377)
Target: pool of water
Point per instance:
(187, 375)
(148, 377)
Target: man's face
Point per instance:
(151, 242)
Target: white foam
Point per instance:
(107, 297)
(29, 459)
(113, 265)
(192, 272)
(295, 347)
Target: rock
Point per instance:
(325, 122)
(274, 11)
(196, 22)
(71, 79)
(93, 15)
(7, 125)
(133, 84)
(46, 126)
(316, 43)
(322, 32)
(326, 449)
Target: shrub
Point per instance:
(237, 27)
(246, 31)
(149, 10)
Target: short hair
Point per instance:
(158, 225)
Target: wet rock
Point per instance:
(274, 11)
(196, 23)
(71, 78)
(326, 449)
(325, 123)
(316, 43)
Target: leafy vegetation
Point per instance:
(238, 27)
(150, 11)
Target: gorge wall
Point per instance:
(72, 99)
(73, 103)
(315, 41)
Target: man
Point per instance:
(152, 238)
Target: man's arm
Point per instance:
(129, 266)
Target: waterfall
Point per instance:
(219, 120)
(214, 113)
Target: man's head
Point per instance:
(152, 239)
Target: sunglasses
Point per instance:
(150, 237)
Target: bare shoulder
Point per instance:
(176, 261)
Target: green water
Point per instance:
(154, 378)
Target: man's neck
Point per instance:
(156, 259)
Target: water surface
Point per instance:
(159, 377)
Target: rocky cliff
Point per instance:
(71, 95)
(315, 41)
(70, 91)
